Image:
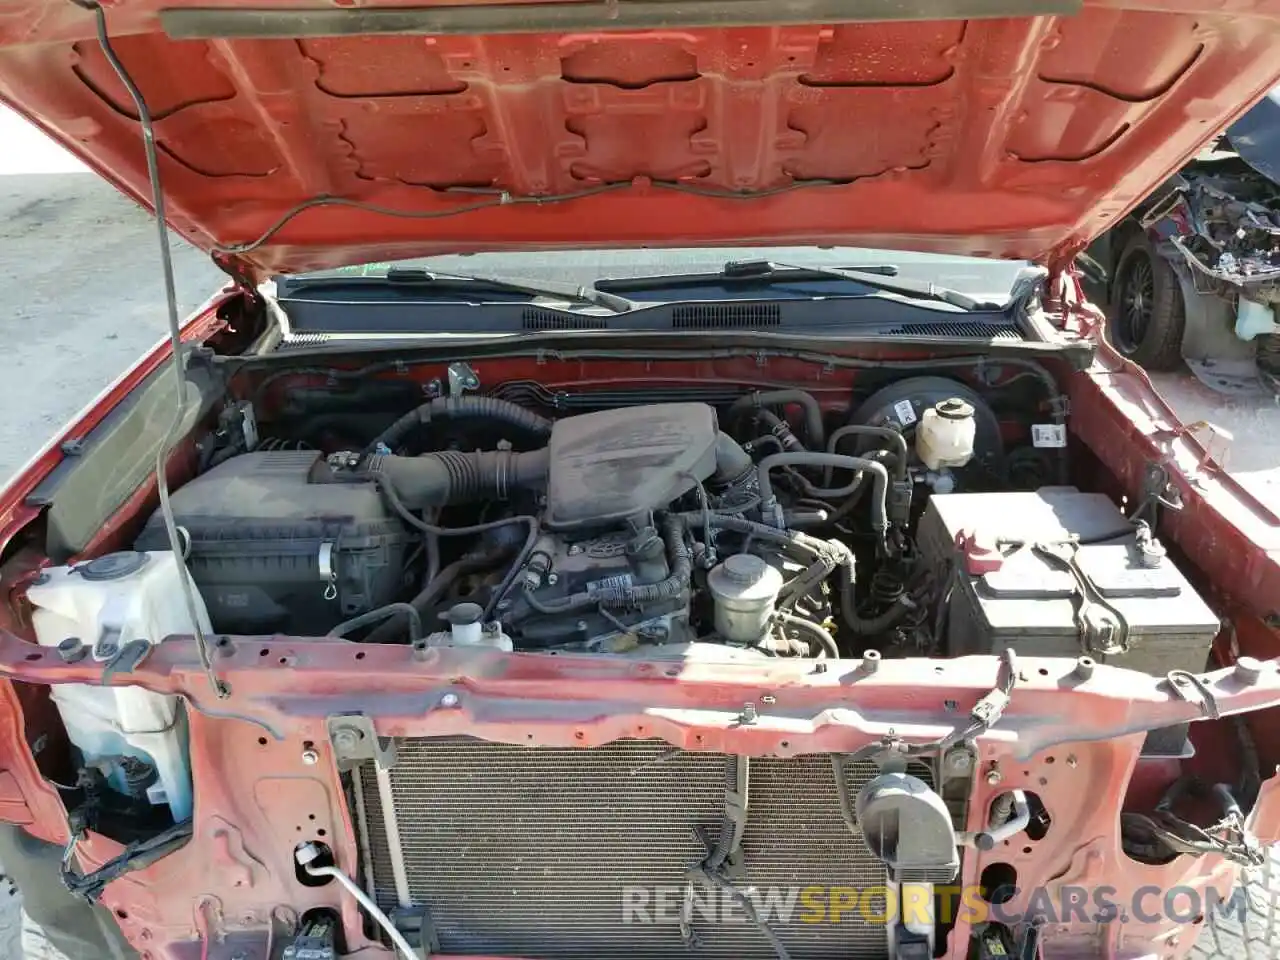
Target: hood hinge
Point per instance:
(238, 270)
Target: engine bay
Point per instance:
(392, 536)
(921, 518)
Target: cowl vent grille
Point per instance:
(535, 319)
(726, 316)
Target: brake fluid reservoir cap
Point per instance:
(954, 409)
(113, 566)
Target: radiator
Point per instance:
(526, 851)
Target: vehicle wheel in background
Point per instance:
(1250, 933)
(1147, 313)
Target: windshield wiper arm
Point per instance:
(567, 291)
(872, 277)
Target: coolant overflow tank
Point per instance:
(908, 827)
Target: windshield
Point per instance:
(979, 278)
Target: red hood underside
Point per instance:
(1019, 137)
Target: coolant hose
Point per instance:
(814, 431)
(464, 408)
(880, 476)
(440, 479)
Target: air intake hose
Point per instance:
(440, 479)
(464, 408)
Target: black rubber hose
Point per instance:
(440, 479)
(694, 519)
(732, 462)
(880, 477)
(816, 435)
(464, 408)
(896, 440)
(868, 626)
(378, 615)
(781, 430)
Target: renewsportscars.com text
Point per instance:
(665, 905)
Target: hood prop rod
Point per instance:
(175, 339)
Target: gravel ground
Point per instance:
(82, 283)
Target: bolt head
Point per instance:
(449, 700)
(345, 739)
(310, 757)
(1072, 762)
(994, 777)
(1248, 669)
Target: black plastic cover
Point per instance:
(616, 464)
(274, 552)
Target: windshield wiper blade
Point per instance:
(567, 291)
(769, 270)
(873, 277)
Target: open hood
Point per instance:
(296, 135)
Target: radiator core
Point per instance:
(530, 851)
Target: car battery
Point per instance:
(1061, 573)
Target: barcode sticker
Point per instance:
(1048, 435)
(906, 412)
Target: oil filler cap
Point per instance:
(908, 827)
(113, 566)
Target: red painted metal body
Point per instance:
(1018, 137)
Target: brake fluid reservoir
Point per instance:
(138, 738)
(945, 435)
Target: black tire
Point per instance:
(1251, 933)
(1147, 312)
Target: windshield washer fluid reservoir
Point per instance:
(107, 603)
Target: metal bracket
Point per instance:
(1189, 687)
(125, 659)
(354, 741)
(416, 925)
(462, 378)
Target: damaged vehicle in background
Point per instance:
(1195, 268)
(406, 602)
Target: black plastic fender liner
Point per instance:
(72, 925)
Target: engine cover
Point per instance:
(610, 466)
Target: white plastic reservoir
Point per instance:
(107, 603)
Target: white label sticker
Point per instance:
(1048, 435)
(621, 581)
(906, 412)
